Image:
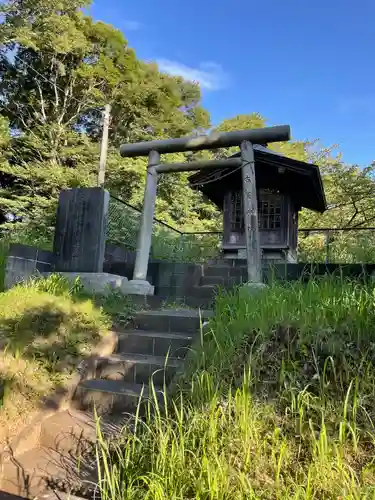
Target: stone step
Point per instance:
(204, 303)
(139, 368)
(34, 470)
(114, 396)
(71, 432)
(172, 320)
(68, 431)
(220, 281)
(155, 343)
(217, 270)
(51, 495)
(213, 281)
(180, 297)
(148, 301)
(204, 292)
(239, 263)
(9, 496)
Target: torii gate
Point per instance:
(243, 138)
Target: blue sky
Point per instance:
(307, 64)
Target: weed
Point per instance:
(278, 403)
(114, 304)
(55, 284)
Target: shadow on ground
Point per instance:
(8, 496)
(55, 338)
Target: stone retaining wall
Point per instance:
(169, 279)
(24, 262)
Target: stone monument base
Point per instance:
(251, 288)
(105, 283)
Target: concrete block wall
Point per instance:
(174, 280)
(25, 262)
(303, 271)
(170, 279)
(119, 260)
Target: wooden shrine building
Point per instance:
(284, 187)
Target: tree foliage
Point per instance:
(59, 67)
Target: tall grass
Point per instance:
(278, 402)
(348, 247)
(174, 247)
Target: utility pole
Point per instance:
(104, 145)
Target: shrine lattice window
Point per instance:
(236, 211)
(269, 211)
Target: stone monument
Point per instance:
(81, 221)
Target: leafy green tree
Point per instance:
(58, 68)
(293, 149)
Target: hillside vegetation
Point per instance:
(46, 329)
(278, 401)
(278, 404)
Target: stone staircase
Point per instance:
(153, 350)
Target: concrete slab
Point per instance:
(168, 320)
(139, 369)
(105, 283)
(140, 287)
(156, 343)
(185, 313)
(54, 495)
(29, 474)
(68, 432)
(251, 288)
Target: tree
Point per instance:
(293, 149)
(58, 68)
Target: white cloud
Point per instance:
(209, 75)
(130, 25)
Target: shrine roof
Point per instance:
(299, 179)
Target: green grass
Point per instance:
(167, 244)
(46, 328)
(277, 403)
(171, 246)
(348, 247)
